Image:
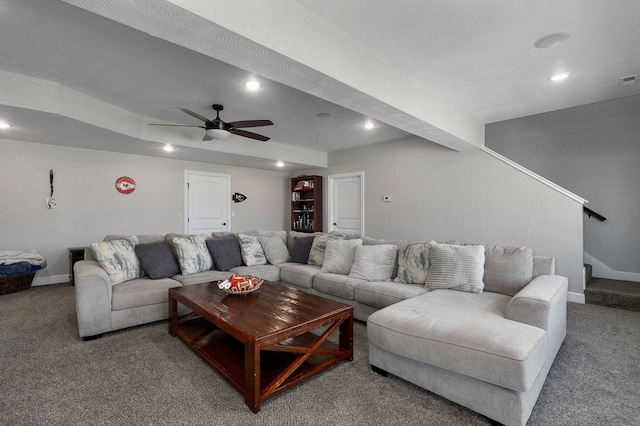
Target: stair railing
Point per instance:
(593, 214)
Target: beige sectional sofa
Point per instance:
(479, 325)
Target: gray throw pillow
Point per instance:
(316, 254)
(374, 263)
(301, 248)
(338, 256)
(158, 260)
(507, 270)
(274, 248)
(456, 267)
(225, 252)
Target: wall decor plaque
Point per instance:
(125, 185)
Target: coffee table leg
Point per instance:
(346, 336)
(252, 377)
(173, 315)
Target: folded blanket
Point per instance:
(9, 257)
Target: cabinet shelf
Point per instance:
(306, 204)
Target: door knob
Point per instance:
(224, 224)
(335, 224)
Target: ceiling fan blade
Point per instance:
(249, 135)
(207, 138)
(250, 123)
(175, 125)
(194, 114)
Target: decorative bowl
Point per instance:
(240, 285)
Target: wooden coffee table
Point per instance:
(262, 342)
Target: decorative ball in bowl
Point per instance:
(240, 284)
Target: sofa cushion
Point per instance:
(193, 254)
(342, 286)
(338, 256)
(266, 272)
(382, 294)
(158, 259)
(141, 292)
(292, 235)
(413, 264)
(463, 332)
(118, 259)
(251, 250)
(301, 248)
(202, 277)
(316, 254)
(225, 252)
(275, 250)
(300, 275)
(373, 263)
(456, 267)
(507, 270)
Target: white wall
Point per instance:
(89, 206)
(441, 194)
(592, 150)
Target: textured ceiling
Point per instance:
(479, 57)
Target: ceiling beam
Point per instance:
(284, 41)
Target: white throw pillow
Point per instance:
(374, 263)
(456, 267)
(338, 256)
(193, 255)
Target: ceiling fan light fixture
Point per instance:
(217, 133)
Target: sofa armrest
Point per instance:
(93, 298)
(539, 301)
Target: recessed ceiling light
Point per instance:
(168, 148)
(280, 164)
(252, 85)
(4, 125)
(560, 77)
(369, 125)
(323, 115)
(550, 40)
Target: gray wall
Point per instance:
(89, 207)
(593, 151)
(469, 196)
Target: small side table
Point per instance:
(75, 254)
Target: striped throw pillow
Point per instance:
(456, 267)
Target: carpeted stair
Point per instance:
(612, 293)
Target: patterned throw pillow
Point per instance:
(251, 250)
(413, 264)
(118, 259)
(193, 255)
(338, 256)
(274, 249)
(456, 267)
(316, 254)
(374, 263)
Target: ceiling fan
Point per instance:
(218, 129)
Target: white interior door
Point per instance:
(346, 203)
(207, 202)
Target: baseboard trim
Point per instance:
(53, 279)
(576, 298)
(601, 270)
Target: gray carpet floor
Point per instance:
(143, 376)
